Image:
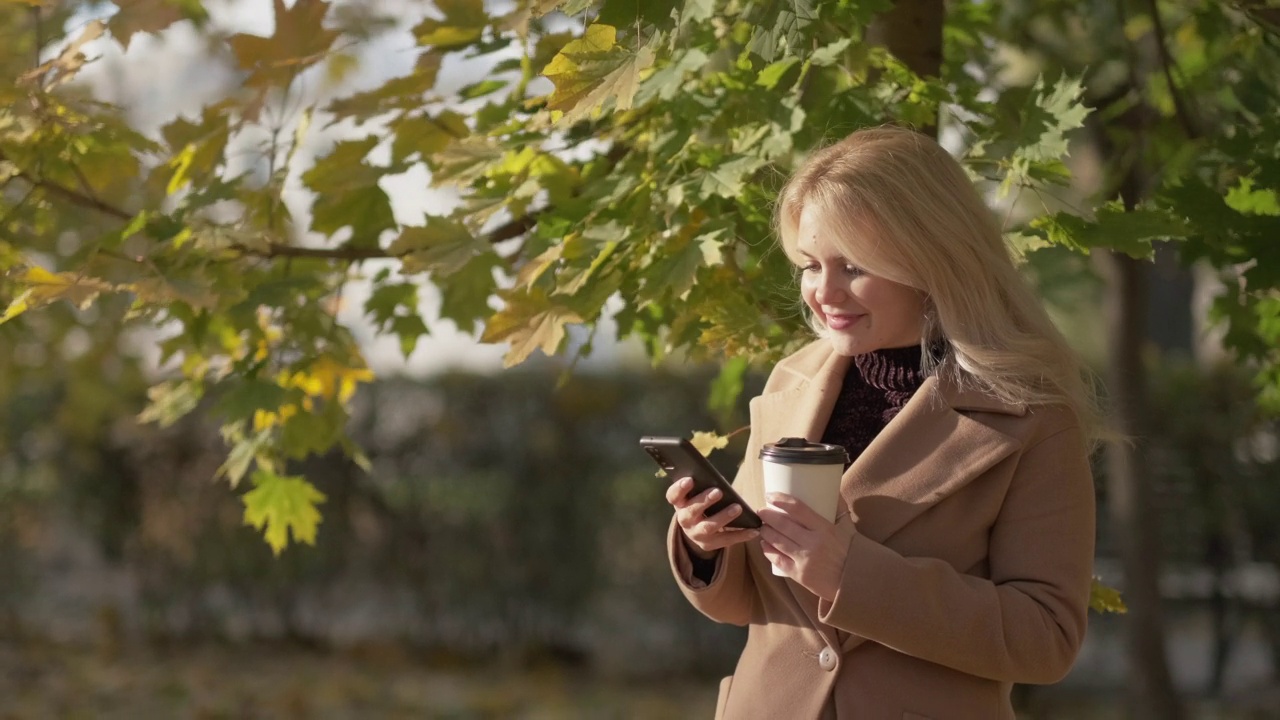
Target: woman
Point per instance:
(960, 561)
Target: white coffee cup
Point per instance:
(810, 472)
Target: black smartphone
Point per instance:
(679, 458)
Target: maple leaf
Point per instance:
(151, 16)
(592, 69)
(708, 442)
(283, 505)
(441, 246)
(528, 322)
(69, 61)
(44, 287)
(300, 40)
(464, 23)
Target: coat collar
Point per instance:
(933, 447)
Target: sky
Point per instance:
(163, 75)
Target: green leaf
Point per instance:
(1052, 114)
(1244, 199)
(407, 92)
(830, 54)
(1113, 229)
(426, 135)
(726, 179)
(465, 294)
(480, 89)
(727, 387)
(152, 16)
(170, 401)
(244, 451)
(349, 194)
(300, 40)
(442, 246)
(675, 270)
(772, 74)
(463, 24)
(593, 69)
(282, 506)
(250, 395)
(408, 328)
(385, 301)
(780, 28)
(666, 83)
(697, 10)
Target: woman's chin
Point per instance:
(845, 344)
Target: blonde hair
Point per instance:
(897, 203)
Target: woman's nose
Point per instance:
(830, 291)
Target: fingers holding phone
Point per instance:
(706, 533)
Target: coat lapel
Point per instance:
(802, 411)
(923, 455)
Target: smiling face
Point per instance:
(862, 312)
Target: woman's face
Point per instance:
(862, 312)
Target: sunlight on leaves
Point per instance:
(283, 506)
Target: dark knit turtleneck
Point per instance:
(876, 387)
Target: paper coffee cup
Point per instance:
(808, 471)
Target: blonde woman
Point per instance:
(960, 560)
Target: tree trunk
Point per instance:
(1129, 492)
(912, 31)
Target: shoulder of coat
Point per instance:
(804, 363)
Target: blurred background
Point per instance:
(502, 555)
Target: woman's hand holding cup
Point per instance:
(705, 535)
(803, 545)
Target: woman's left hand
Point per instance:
(803, 545)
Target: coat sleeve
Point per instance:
(730, 595)
(1026, 623)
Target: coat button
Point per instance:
(827, 659)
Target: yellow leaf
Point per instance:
(591, 70)
(180, 165)
(327, 378)
(528, 322)
(16, 308)
(44, 287)
(68, 62)
(1105, 599)
(708, 442)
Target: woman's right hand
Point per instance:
(705, 535)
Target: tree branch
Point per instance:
(1168, 64)
(74, 196)
(271, 250)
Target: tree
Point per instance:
(641, 172)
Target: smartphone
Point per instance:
(679, 458)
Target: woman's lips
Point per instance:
(841, 322)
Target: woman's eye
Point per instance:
(810, 267)
(853, 270)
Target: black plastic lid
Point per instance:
(798, 451)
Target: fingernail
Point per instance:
(734, 509)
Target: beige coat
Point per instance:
(971, 532)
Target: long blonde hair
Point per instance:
(903, 208)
